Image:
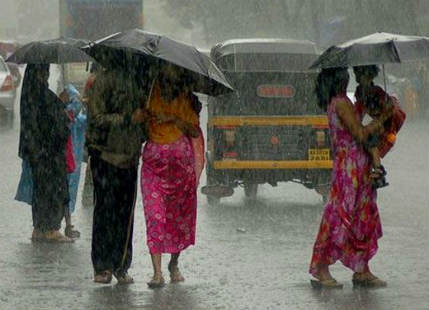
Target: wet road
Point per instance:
(247, 256)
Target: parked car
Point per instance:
(14, 70)
(270, 128)
(7, 47)
(7, 94)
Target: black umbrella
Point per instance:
(56, 51)
(156, 49)
(377, 48)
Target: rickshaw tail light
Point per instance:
(230, 155)
(320, 138)
(275, 91)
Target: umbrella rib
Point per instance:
(395, 50)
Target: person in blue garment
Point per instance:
(42, 146)
(25, 188)
(77, 128)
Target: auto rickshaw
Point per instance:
(270, 128)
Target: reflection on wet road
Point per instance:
(249, 255)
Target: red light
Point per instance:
(8, 84)
(275, 91)
(275, 140)
(230, 155)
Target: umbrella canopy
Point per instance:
(377, 48)
(56, 51)
(156, 49)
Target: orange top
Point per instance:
(164, 133)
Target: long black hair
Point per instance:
(34, 86)
(369, 70)
(330, 82)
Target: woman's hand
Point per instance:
(64, 96)
(347, 115)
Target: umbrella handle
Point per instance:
(384, 78)
(146, 105)
(385, 84)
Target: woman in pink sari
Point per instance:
(172, 163)
(350, 226)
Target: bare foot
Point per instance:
(175, 275)
(323, 275)
(37, 235)
(56, 236)
(104, 277)
(124, 278)
(367, 279)
(325, 280)
(157, 281)
(366, 275)
(70, 232)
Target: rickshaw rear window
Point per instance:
(266, 62)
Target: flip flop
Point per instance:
(104, 277)
(71, 233)
(156, 283)
(329, 284)
(56, 237)
(369, 283)
(175, 275)
(123, 278)
(37, 236)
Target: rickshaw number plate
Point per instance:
(319, 154)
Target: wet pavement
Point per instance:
(247, 256)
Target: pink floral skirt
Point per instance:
(350, 226)
(169, 189)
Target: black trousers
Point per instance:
(115, 192)
(50, 193)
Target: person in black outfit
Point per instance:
(43, 137)
(114, 141)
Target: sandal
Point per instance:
(175, 275)
(55, 236)
(156, 282)
(373, 282)
(328, 283)
(71, 233)
(123, 278)
(37, 235)
(104, 277)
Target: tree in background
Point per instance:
(301, 19)
(224, 19)
(37, 20)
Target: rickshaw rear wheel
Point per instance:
(324, 192)
(212, 200)
(250, 190)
